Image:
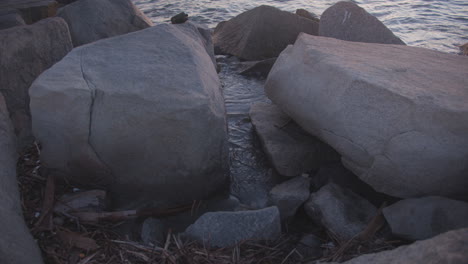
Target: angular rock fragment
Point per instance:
(225, 229)
(290, 195)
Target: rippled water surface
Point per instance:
(435, 24)
(431, 24)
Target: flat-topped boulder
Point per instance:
(398, 115)
(148, 124)
(16, 243)
(32, 10)
(91, 20)
(261, 33)
(348, 21)
(26, 52)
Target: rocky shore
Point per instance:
(116, 131)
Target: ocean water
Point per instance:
(434, 24)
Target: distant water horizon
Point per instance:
(433, 24)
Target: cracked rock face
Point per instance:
(397, 115)
(16, 243)
(92, 20)
(141, 114)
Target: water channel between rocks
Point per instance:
(251, 175)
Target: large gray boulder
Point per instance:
(261, 33)
(423, 218)
(225, 229)
(340, 210)
(290, 195)
(288, 147)
(450, 247)
(16, 243)
(26, 52)
(91, 20)
(397, 115)
(347, 21)
(149, 124)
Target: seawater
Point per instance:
(434, 24)
(430, 24)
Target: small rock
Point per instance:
(464, 49)
(225, 229)
(423, 218)
(153, 231)
(309, 15)
(179, 18)
(290, 195)
(288, 147)
(347, 21)
(340, 210)
(310, 246)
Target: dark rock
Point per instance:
(8, 20)
(422, 218)
(450, 247)
(310, 246)
(225, 229)
(464, 49)
(179, 18)
(290, 195)
(340, 210)
(258, 68)
(31, 10)
(304, 13)
(91, 20)
(171, 148)
(289, 148)
(38, 46)
(261, 33)
(16, 243)
(153, 232)
(347, 21)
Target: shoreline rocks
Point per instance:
(347, 21)
(396, 114)
(261, 33)
(149, 125)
